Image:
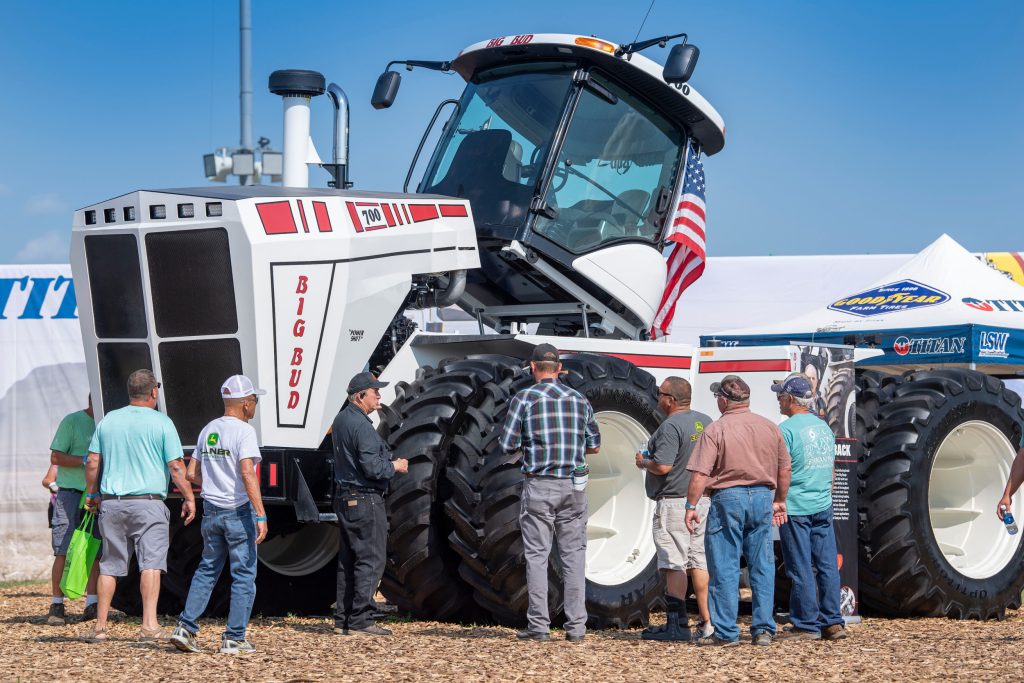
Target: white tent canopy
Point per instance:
(943, 306)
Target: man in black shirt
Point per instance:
(363, 466)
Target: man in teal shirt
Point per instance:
(808, 538)
(137, 446)
(67, 451)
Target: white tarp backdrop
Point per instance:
(42, 378)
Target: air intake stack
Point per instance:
(296, 87)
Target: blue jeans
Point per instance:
(809, 551)
(228, 534)
(740, 522)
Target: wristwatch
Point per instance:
(690, 507)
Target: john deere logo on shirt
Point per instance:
(698, 427)
(212, 439)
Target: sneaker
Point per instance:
(55, 617)
(184, 640)
(527, 634)
(89, 613)
(704, 629)
(372, 630)
(763, 639)
(715, 641)
(153, 635)
(230, 646)
(834, 632)
(798, 634)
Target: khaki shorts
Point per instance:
(678, 549)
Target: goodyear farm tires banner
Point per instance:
(42, 379)
(944, 306)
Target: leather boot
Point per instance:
(676, 628)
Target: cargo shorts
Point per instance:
(66, 516)
(678, 549)
(134, 527)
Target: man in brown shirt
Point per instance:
(743, 459)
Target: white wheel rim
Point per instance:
(300, 553)
(969, 470)
(619, 541)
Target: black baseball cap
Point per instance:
(364, 381)
(544, 352)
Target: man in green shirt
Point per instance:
(67, 451)
(138, 446)
(808, 539)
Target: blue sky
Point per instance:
(858, 127)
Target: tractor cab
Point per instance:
(569, 150)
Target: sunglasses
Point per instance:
(662, 393)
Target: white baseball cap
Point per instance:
(239, 386)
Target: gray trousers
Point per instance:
(551, 508)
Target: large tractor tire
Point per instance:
(939, 457)
(623, 583)
(445, 411)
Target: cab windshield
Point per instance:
(493, 152)
(618, 156)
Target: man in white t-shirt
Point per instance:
(234, 521)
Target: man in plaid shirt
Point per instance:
(554, 428)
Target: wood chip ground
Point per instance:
(302, 649)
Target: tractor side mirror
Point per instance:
(386, 90)
(681, 62)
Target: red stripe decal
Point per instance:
(675, 362)
(781, 365)
(355, 216)
(453, 211)
(405, 210)
(277, 218)
(273, 474)
(323, 219)
(398, 214)
(302, 216)
(423, 212)
(387, 215)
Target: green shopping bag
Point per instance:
(81, 555)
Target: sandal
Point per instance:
(153, 634)
(94, 635)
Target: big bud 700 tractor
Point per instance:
(545, 204)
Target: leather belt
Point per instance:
(139, 496)
(360, 489)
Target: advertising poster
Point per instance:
(830, 369)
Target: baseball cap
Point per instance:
(731, 387)
(364, 381)
(544, 352)
(239, 386)
(795, 385)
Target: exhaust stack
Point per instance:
(296, 87)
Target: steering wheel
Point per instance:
(580, 238)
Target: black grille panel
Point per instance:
(115, 281)
(190, 280)
(192, 372)
(117, 360)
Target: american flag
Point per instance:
(685, 248)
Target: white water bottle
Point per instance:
(1011, 524)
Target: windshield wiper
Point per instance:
(614, 197)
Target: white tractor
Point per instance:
(543, 207)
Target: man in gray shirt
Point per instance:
(667, 480)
